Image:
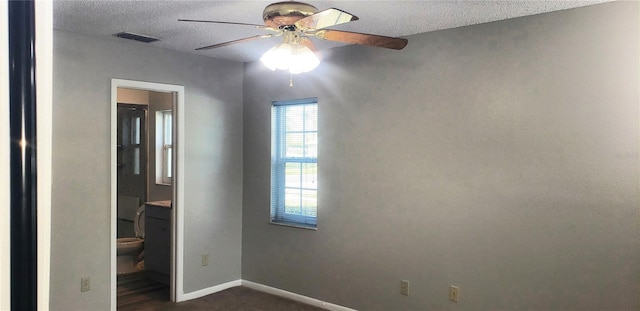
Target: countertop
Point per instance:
(165, 204)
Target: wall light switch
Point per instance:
(205, 260)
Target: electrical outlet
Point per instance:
(404, 287)
(453, 293)
(205, 260)
(85, 284)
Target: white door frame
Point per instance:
(177, 222)
(5, 165)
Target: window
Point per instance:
(164, 147)
(136, 143)
(294, 163)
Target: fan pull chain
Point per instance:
(290, 78)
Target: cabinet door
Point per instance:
(157, 245)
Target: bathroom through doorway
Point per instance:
(146, 191)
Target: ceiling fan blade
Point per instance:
(219, 22)
(324, 19)
(362, 39)
(234, 42)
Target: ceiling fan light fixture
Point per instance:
(294, 58)
(277, 57)
(303, 60)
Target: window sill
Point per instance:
(284, 224)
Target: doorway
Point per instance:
(146, 173)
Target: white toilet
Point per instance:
(128, 249)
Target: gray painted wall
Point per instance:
(501, 158)
(83, 68)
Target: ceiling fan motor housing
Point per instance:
(286, 13)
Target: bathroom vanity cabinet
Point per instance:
(157, 241)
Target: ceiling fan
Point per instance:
(296, 22)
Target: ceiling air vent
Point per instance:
(137, 37)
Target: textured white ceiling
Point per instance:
(159, 19)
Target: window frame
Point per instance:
(278, 215)
(164, 148)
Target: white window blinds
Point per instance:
(294, 163)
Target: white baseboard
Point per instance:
(209, 290)
(293, 296)
(267, 289)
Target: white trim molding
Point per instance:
(266, 289)
(293, 296)
(44, 126)
(210, 290)
(5, 184)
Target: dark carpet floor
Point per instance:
(138, 294)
